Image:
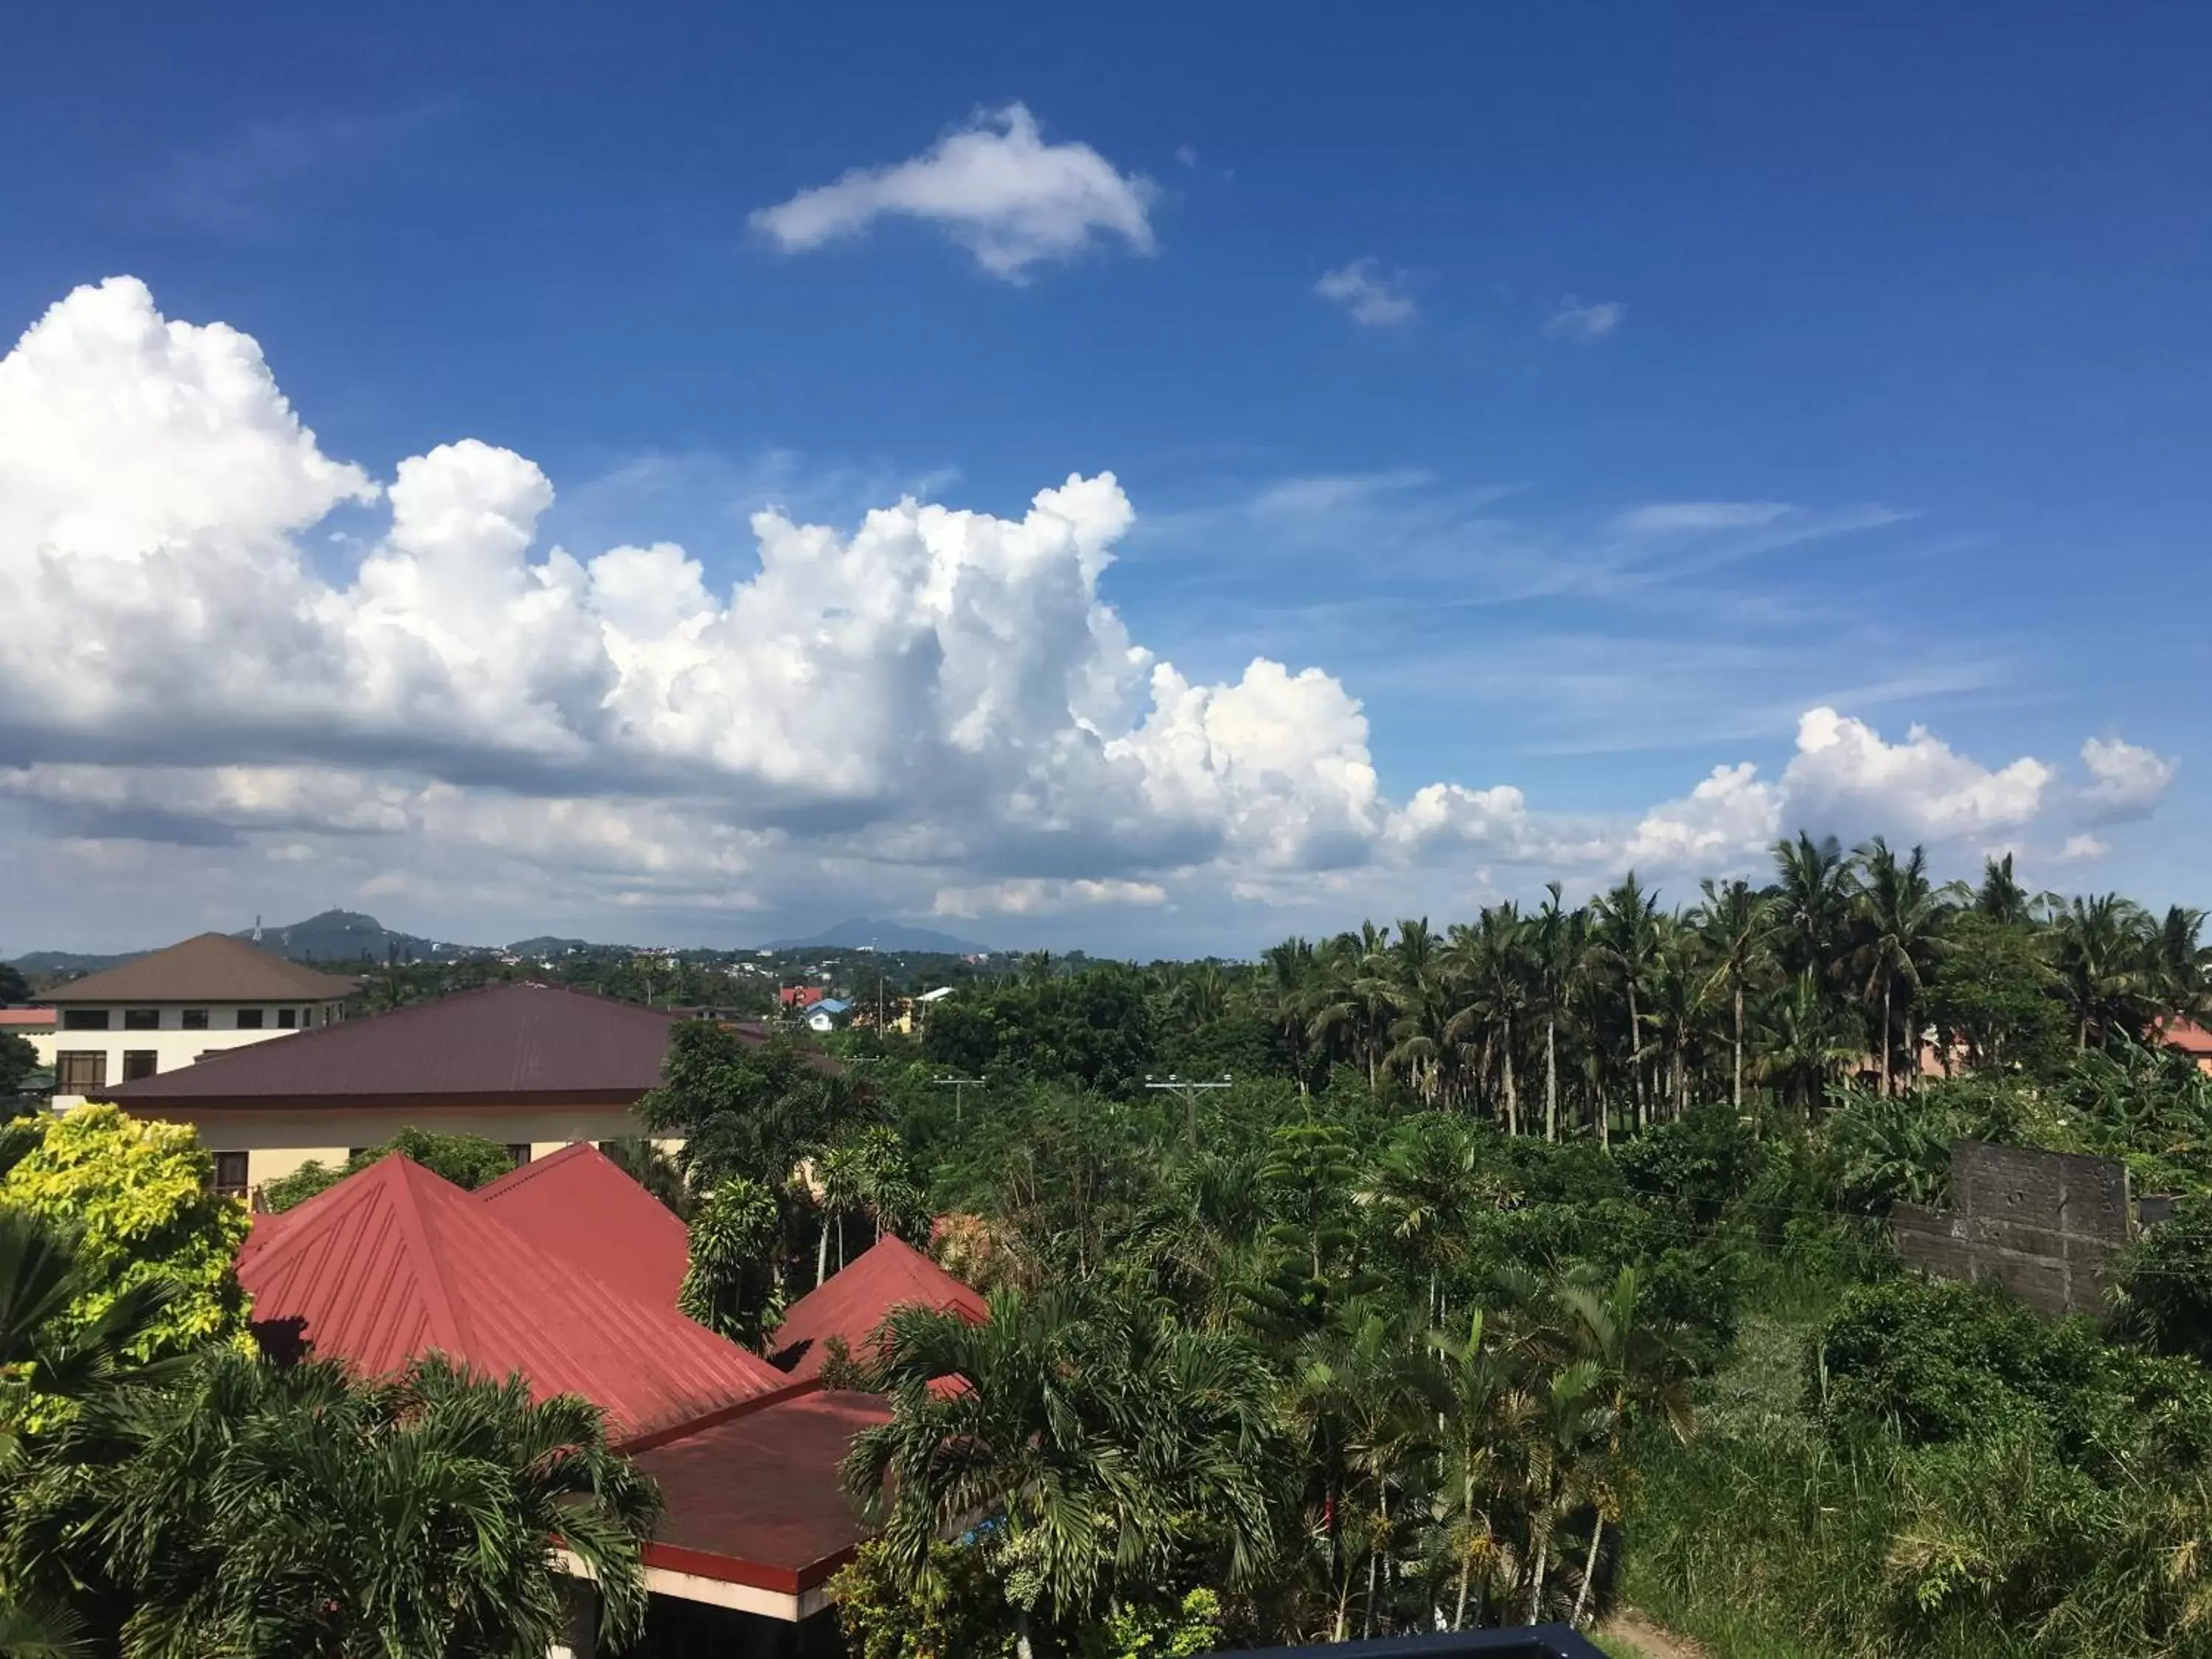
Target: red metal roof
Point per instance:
(394, 1262)
(853, 1302)
(509, 1041)
(27, 1020)
(580, 1206)
(756, 1500)
(2186, 1036)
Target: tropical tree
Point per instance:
(1900, 923)
(1736, 921)
(141, 1195)
(731, 1285)
(1099, 1453)
(255, 1508)
(2102, 944)
(1812, 906)
(1625, 934)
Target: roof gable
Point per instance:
(211, 967)
(853, 1303)
(394, 1262)
(580, 1206)
(506, 1040)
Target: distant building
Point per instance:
(160, 1013)
(827, 1013)
(799, 996)
(533, 1067)
(2187, 1037)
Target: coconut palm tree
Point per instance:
(2178, 974)
(1736, 920)
(1809, 1039)
(1486, 967)
(1812, 905)
(2000, 897)
(2103, 942)
(1558, 941)
(1625, 934)
(1901, 926)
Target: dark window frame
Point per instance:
(231, 1170)
(520, 1151)
(142, 1020)
(288, 1019)
(140, 1062)
(95, 1059)
(192, 1019)
(85, 1019)
(249, 1019)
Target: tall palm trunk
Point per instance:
(1512, 1096)
(821, 1253)
(1589, 1571)
(1466, 1566)
(1536, 1586)
(1635, 1062)
(1885, 1036)
(1739, 1049)
(1550, 1078)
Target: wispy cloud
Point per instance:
(1696, 518)
(230, 185)
(1574, 320)
(995, 187)
(1373, 297)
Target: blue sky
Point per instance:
(1714, 368)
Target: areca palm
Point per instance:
(266, 1509)
(1735, 919)
(1099, 1445)
(1484, 1412)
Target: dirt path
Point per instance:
(1647, 1638)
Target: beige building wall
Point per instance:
(278, 1140)
(168, 1041)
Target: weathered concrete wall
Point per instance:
(2040, 1223)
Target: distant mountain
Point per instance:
(546, 946)
(73, 963)
(884, 935)
(341, 936)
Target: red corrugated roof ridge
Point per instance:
(580, 1205)
(394, 1262)
(853, 1303)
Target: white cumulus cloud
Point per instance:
(2128, 780)
(1373, 297)
(995, 186)
(931, 709)
(1574, 320)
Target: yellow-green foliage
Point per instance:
(142, 1193)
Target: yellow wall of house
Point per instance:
(277, 1141)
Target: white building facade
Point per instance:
(157, 1012)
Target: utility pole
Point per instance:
(957, 1084)
(1188, 1088)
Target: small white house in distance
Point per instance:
(827, 1014)
(167, 1009)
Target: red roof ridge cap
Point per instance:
(445, 1314)
(715, 1418)
(522, 1174)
